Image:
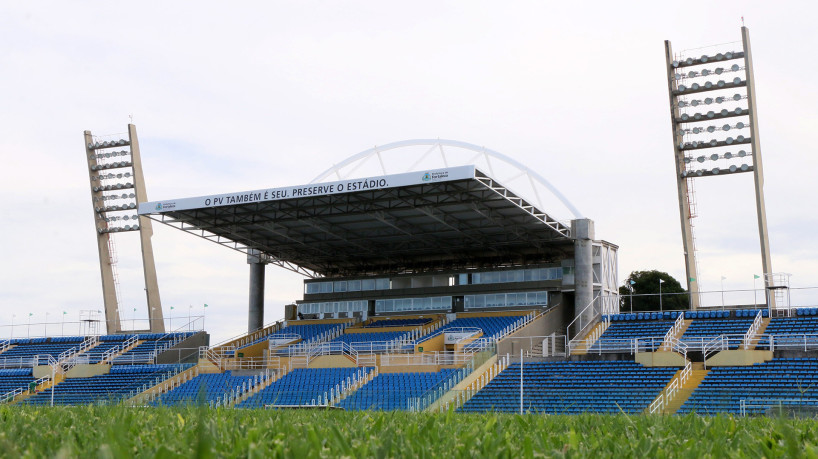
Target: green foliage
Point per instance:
(646, 292)
(34, 432)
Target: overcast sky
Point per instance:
(230, 98)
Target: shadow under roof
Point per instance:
(449, 218)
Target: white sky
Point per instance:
(232, 98)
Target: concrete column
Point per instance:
(255, 314)
(583, 232)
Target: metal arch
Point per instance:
(336, 168)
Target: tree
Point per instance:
(645, 287)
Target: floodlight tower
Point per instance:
(117, 187)
(713, 116)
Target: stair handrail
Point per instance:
(674, 329)
(753, 330)
(579, 317)
(5, 344)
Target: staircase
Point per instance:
(679, 389)
(764, 323)
(581, 347)
(677, 336)
(115, 352)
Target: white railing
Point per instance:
(669, 393)
(150, 381)
(593, 337)
(583, 322)
(675, 329)
(346, 387)
(780, 403)
(753, 330)
(10, 395)
(4, 344)
(426, 358)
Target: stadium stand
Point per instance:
(702, 330)
(492, 326)
(307, 332)
(573, 387)
(393, 391)
(302, 386)
(205, 388)
(150, 345)
(788, 381)
(28, 348)
(398, 323)
(106, 344)
(15, 378)
(121, 382)
(375, 342)
(620, 332)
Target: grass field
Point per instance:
(191, 432)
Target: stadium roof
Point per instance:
(456, 217)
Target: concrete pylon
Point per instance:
(255, 313)
(582, 231)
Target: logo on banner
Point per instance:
(159, 206)
(427, 176)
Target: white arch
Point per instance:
(439, 144)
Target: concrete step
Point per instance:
(684, 392)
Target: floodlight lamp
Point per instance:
(715, 171)
(708, 84)
(721, 83)
(695, 103)
(708, 100)
(107, 155)
(126, 218)
(699, 172)
(678, 76)
(738, 111)
(736, 81)
(728, 155)
(735, 67)
(697, 116)
(719, 56)
(683, 104)
(726, 127)
(689, 61)
(719, 71)
(713, 142)
(696, 130)
(119, 176)
(127, 227)
(127, 174)
(695, 86)
(705, 72)
(737, 97)
(740, 125)
(687, 160)
(128, 184)
(733, 168)
(714, 157)
(728, 140)
(745, 167)
(711, 114)
(684, 173)
(700, 159)
(675, 64)
(682, 88)
(728, 55)
(691, 74)
(720, 100)
(740, 138)
(711, 129)
(135, 227)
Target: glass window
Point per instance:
(381, 284)
(354, 285)
(312, 288)
(326, 287)
(367, 284)
(339, 286)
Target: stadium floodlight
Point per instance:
(745, 167)
(740, 125)
(733, 168)
(700, 159)
(728, 155)
(742, 153)
(735, 68)
(714, 157)
(715, 171)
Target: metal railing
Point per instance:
(669, 393)
(753, 330)
(464, 395)
(674, 330)
(427, 358)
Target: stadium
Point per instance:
(448, 288)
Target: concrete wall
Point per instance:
(186, 351)
(554, 321)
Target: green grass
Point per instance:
(190, 432)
